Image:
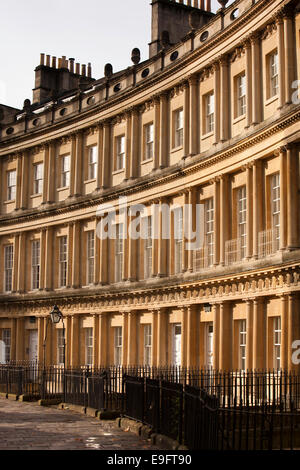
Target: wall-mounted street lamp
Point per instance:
(55, 316)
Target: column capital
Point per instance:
(193, 79)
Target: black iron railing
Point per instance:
(202, 409)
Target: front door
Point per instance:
(177, 345)
(33, 345)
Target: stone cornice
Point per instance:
(267, 282)
(169, 174)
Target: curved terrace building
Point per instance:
(202, 137)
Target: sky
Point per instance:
(99, 31)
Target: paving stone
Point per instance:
(25, 425)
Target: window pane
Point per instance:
(63, 261)
(8, 267)
(35, 263)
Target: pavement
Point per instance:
(28, 426)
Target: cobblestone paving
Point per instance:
(28, 426)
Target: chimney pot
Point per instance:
(83, 70)
(48, 60)
(59, 63)
(71, 61)
(42, 61)
(77, 68)
(54, 62)
(89, 70)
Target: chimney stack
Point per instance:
(173, 16)
(52, 80)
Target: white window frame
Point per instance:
(92, 162)
(90, 240)
(119, 252)
(35, 264)
(242, 218)
(63, 260)
(120, 152)
(38, 178)
(11, 185)
(209, 113)
(241, 95)
(6, 338)
(148, 344)
(178, 127)
(118, 345)
(275, 208)
(209, 213)
(277, 342)
(242, 343)
(8, 267)
(274, 73)
(60, 346)
(149, 141)
(178, 239)
(89, 346)
(65, 170)
(148, 247)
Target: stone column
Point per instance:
(258, 334)
(249, 335)
(216, 335)
(51, 182)
(217, 101)
(192, 201)
(20, 334)
(162, 336)
(289, 53)
(283, 198)
(73, 165)
(106, 155)
(249, 221)
(125, 344)
(100, 158)
(103, 273)
(156, 159)
(162, 242)
(185, 225)
(43, 244)
(70, 254)
(13, 339)
(95, 339)
(97, 255)
(78, 173)
(224, 99)
(281, 62)
(163, 131)
(284, 352)
(135, 144)
(103, 340)
(225, 337)
(256, 79)
(292, 197)
(75, 343)
(24, 187)
(132, 253)
(186, 122)
(248, 73)
(216, 221)
(192, 334)
(184, 326)
(132, 339)
(128, 145)
(194, 127)
(22, 263)
(15, 262)
(49, 259)
(76, 249)
(46, 172)
(224, 226)
(257, 206)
